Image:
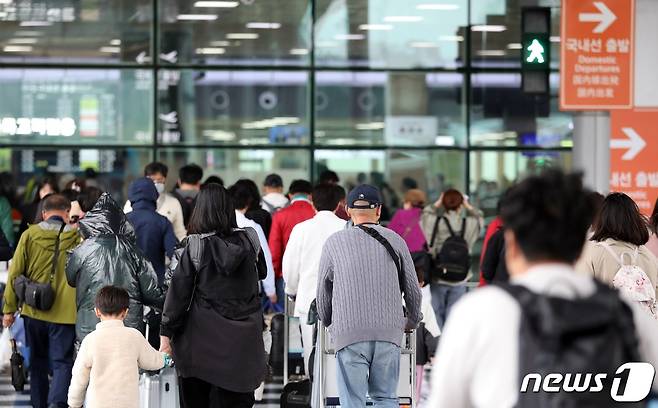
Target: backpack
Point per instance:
(632, 281)
(271, 208)
(588, 335)
(452, 263)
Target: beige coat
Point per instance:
(596, 261)
(107, 367)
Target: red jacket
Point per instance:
(282, 224)
(493, 227)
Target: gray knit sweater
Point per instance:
(358, 295)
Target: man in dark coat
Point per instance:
(155, 234)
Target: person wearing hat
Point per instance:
(273, 197)
(359, 298)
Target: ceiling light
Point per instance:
(299, 51)
(28, 33)
(403, 19)
(489, 28)
(555, 39)
(451, 38)
(23, 41)
(424, 44)
(375, 27)
(370, 126)
(17, 48)
(116, 41)
(210, 51)
(220, 43)
(514, 46)
(349, 37)
(197, 17)
(216, 4)
(265, 26)
(35, 23)
(432, 6)
(491, 53)
(111, 50)
(242, 36)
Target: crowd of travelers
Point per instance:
(197, 269)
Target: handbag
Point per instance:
(17, 362)
(40, 296)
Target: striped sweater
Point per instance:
(358, 294)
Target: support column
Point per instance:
(591, 149)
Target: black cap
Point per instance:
(367, 193)
(273, 180)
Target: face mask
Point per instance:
(160, 187)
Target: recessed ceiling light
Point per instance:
(555, 39)
(491, 53)
(116, 41)
(451, 38)
(23, 41)
(349, 37)
(299, 51)
(110, 50)
(17, 48)
(210, 50)
(216, 4)
(35, 23)
(220, 43)
(403, 19)
(242, 36)
(514, 46)
(489, 28)
(197, 17)
(264, 26)
(431, 6)
(375, 27)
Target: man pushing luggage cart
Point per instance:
(365, 271)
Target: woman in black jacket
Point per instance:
(212, 321)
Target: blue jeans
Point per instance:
(443, 297)
(368, 367)
(49, 342)
(280, 286)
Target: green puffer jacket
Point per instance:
(33, 258)
(109, 256)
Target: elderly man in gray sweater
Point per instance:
(359, 298)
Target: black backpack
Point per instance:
(452, 263)
(593, 334)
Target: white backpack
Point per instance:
(633, 282)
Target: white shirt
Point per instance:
(275, 200)
(243, 222)
(477, 359)
(301, 260)
(429, 317)
(169, 207)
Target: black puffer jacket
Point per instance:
(212, 312)
(109, 256)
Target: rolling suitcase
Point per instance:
(296, 394)
(159, 390)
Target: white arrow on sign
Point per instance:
(605, 17)
(634, 143)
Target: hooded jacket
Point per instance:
(109, 256)
(33, 258)
(155, 234)
(212, 313)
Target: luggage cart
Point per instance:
(325, 390)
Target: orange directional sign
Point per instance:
(633, 152)
(596, 61)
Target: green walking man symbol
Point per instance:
(536, 52)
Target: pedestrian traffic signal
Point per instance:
(535, 49)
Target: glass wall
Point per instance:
(397, 93)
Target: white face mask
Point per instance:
(160, 187)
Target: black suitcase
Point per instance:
(277, 328)
(296, 395)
